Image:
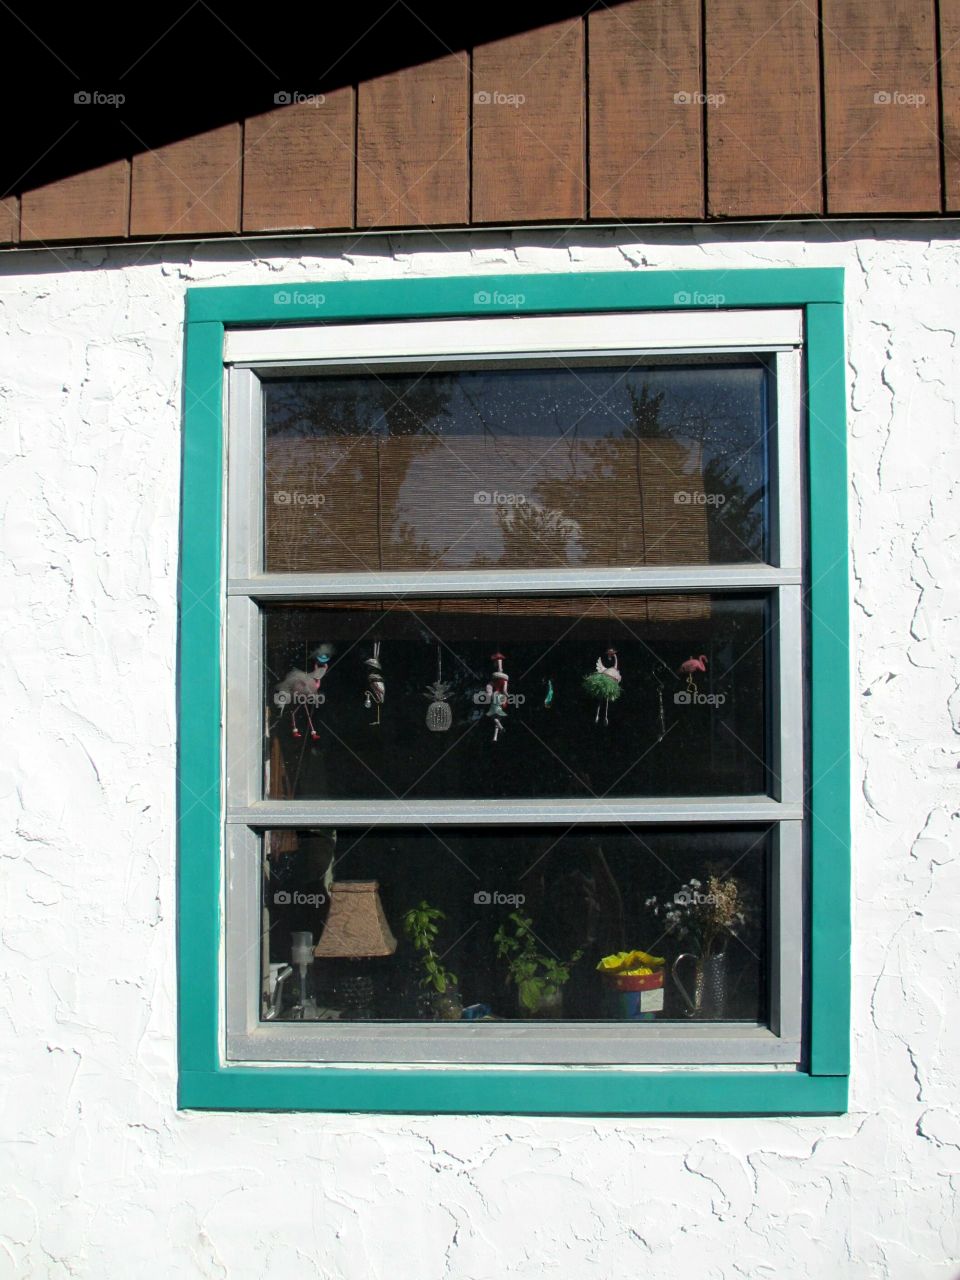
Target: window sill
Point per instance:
(595, 1044)
(570, 1091)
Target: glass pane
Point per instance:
(576, 696)
(615, 464)
(625, 924)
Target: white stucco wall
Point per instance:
(102, 1177)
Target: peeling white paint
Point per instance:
(102, 1177)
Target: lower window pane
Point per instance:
(624, 924)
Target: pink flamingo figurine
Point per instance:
(690, 666)
(301, 689)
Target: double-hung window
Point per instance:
(511, 776)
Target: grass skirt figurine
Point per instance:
(497, 695)
(603, 685)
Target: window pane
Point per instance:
(677, 708)
(516, 924)
(559, 466)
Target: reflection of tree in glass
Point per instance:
(358, 404)
(533, 534)
(736, 524)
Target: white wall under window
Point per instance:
(104, 1176)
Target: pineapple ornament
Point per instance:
(439, 712)
(376, 690)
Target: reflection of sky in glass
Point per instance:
(567, 426)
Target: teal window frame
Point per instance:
(205, 1080)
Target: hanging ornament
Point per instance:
(497, 694)
(603, 684)
(663, 719)
(300, 690)
(376, 690)
(439, 712)
(689, 667)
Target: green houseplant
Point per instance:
(440, 999)
(539, 978)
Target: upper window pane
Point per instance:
(619, 462)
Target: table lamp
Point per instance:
(356, 931)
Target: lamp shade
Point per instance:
(356, 926)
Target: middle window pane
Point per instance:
(552, 697)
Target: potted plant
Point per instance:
(539, 978)
(633, 981)
(440, 999)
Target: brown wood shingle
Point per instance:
(412, 130)
(880, 75)
(529, 147)
(762, 108)
(298, 168)
(188, 188)
(91, 205)
(646, 126)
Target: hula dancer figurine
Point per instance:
(497, 694)
(603, 685)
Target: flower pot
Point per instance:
(707, 996)
(634, 997)
(549, 1005)
(440, 1006)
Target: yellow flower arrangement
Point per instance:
(630, 964)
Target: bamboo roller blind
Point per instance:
(379, 503)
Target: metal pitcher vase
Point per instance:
(708, 995)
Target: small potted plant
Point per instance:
(539, 978)
(440, 999)
(705, 919)
(634, 984)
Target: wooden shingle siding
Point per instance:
(91, 205)
(188, 188)
(637, 111)
(762, 108)
(950, 81)
(882, 125)
(298, 169)
(529, 161)
(412, 135)
(9, 220)
(646, 124)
